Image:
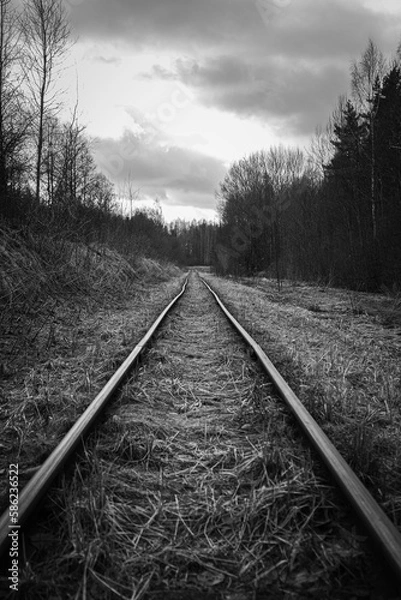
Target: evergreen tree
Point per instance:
(347, 196)
(387, 151)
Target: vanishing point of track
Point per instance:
(382, 531)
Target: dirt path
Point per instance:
(195, 488)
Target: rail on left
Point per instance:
(33, 492)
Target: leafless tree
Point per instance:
(13, 119)
(47, 37)
(131, 192)
(367, 77)
(285, 167)
(365, 74)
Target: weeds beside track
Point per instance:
(198, 486)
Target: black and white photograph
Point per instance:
(200, 299)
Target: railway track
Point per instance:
(225, 428)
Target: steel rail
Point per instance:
(381, 529)
(37, 486)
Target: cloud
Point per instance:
(179, 23)
(158, 72)
(280, 62)
(169, 172)
(289, 63)
(107, 60)
(330, 31)
(307, 28)
(217, 70)
(297, 93)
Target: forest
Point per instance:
(329, 213)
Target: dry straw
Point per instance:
(197, 486)
(344, 364)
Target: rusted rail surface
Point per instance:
(381, 529)
(38, 485)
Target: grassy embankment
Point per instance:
(340, 351)
(197, 486)
(70, 314)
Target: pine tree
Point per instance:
(347, 196)
(387, 151)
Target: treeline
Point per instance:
(48, 177)
(49, 182)
(196, 241)
(332, 213)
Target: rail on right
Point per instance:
(381, 529)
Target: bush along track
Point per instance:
(197, 485)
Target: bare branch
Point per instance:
(46, 33)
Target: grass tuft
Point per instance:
(197, 486)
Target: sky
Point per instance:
(174, 91)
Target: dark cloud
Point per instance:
(270, 59)
(335, 31)
(227, 82)
(301, 28)
(160, 169)
(300, 93)
(215, 71)
(179, 23)
(305, 98)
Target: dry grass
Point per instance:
(344, 364)
(196, 487)
(60, 345)
(34, 267)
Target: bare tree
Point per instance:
(46, 33)
(367, 77)
(321, 149)
(365, 74)
(13, 118)
(131, 191)
(285, 167)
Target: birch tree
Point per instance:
(47, 38)
(366, 78)
(13, 120)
